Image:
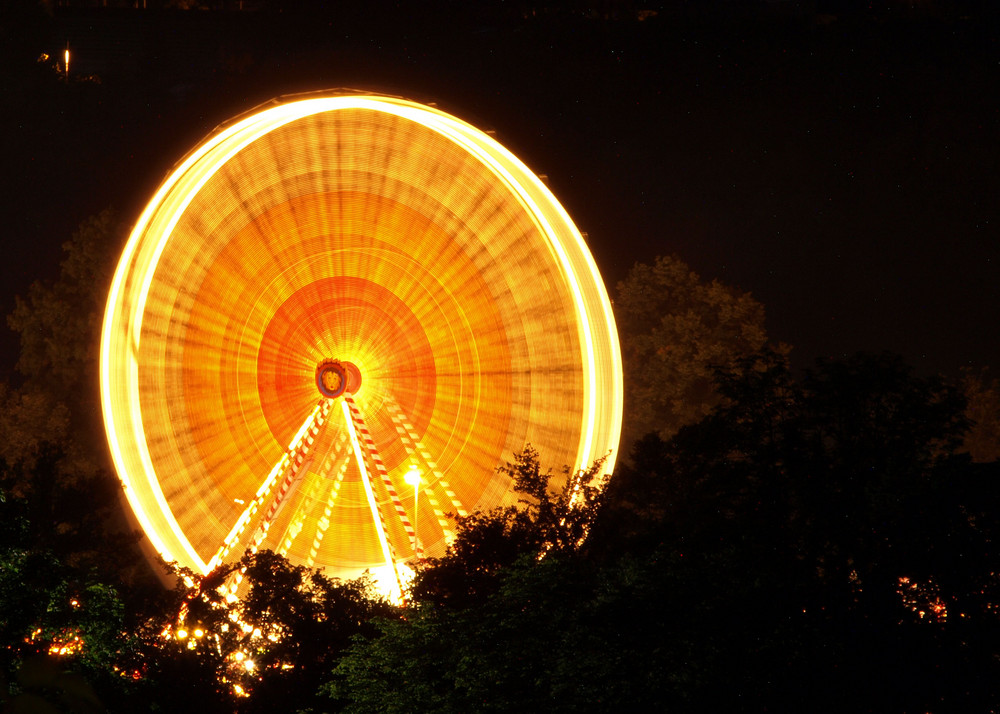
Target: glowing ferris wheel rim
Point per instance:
(368, 229)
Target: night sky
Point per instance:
(842, 166)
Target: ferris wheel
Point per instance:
(333, 321)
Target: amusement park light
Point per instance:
(324, 243)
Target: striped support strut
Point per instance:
(324, 522)
(400, 418)
(431, 497)
(388, 552)
(309, 498)
(305, 446)
(368, 444)
(294, 527)
(291, 460)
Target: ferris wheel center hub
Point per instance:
(335, 377)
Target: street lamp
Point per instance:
(412, 477)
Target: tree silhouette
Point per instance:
(982, 395)
(818, 544)
(547, 522)
(269, 649)
(675, 331)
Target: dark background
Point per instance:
(838, 160)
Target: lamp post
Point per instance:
(412, 477)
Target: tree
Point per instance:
(837, 512)
(547, 522)
(45, 687)
(63, 632)
(675, 331)
(691, 485)
(982, 395)
(59, 324)
(268, 650)
(51, 433)
(817, 544)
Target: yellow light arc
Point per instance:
(369, 225)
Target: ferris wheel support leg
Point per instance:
(324, 523)
(369, 445)
(412, 443)
(334, 457)
(327, 454)
(296, 523)
(429, 494)
(376, 514)
(291, 465)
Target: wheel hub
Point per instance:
(334, 378)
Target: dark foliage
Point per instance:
(676, 330)
(548, 522)
(812, 545)
(270, 649)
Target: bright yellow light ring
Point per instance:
(384, 234)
